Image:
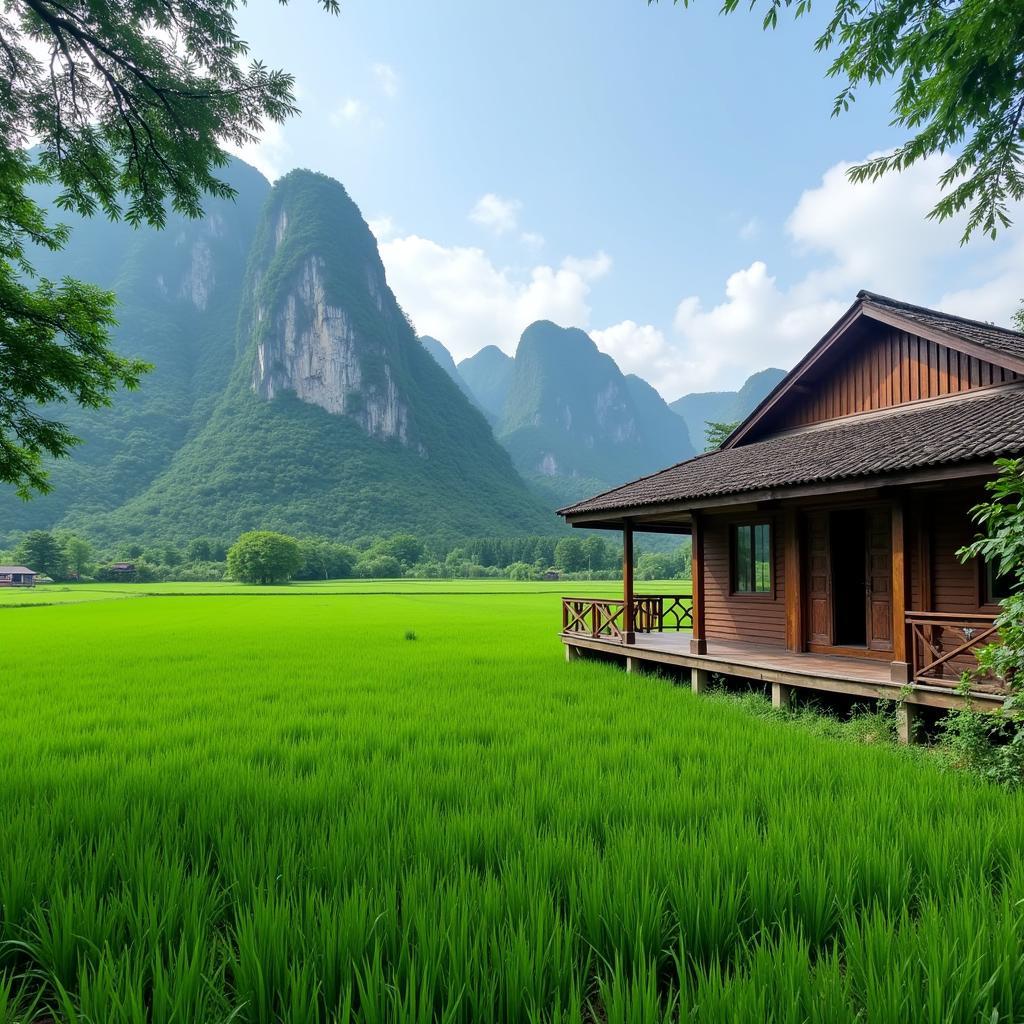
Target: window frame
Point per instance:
(768, 594)
(989, 595)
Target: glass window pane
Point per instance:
(762, 557)
(743, 559)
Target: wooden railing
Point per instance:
(942, 644)
(605, 617)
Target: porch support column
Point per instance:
(794, 583)
(900, 666)
(906, 722)
(628, 633)
(698, 639)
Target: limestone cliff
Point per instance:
(322, 322)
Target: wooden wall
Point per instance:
(752, 618)
(890, 368)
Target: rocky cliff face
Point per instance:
(324, 325)
(311, 347)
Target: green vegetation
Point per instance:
(129, 105)
(65, 556)
(994, 745)
(264, 557)
(348, 826)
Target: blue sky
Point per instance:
(668, 179)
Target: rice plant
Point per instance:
(235, 806)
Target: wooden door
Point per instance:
(879, 581)
(819, 580)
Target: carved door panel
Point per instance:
(879, 581)
(819, 580)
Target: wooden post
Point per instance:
(900, 669)
(794, 583)
(906, 715)
(628, 633)
(782, 695)
(699, 679)
(698, 639)
(571, 653)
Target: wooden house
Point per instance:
(17, 576)
(825, 529)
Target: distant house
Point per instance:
(123, 568)
(17, 576)
(552, 576)
(825, 529)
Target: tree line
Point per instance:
(264, 556)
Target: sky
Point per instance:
(669, 179)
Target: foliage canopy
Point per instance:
(959, 90)
(129, 105)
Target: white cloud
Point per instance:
(496, 214)
(387, 79)
(349, 110)
(383, 227)
(874, 235)
(457, 294)
(591, 267)
(532, 239)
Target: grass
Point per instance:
(280, 810)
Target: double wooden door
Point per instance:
(849, 579)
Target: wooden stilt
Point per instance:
(699, 679)
(782, 695)
(906, 722)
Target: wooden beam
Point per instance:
(794, 582)
(901, 672)
(628, 634)
(698, 641)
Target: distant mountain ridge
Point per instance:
(724, 406)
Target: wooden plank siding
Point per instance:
(753, 618)
(887, 369)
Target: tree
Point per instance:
(41, 551)
(262, 556)
(960, 89)
(128, 105)
(1001, 544)
(374, 565)
(1018, 318)
(716, 432)
(78, 554)
(570, 555)
(198, 550)
(596, 552)
(403, 546)
(325, 560)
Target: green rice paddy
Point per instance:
(273, 807)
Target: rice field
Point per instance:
(234, 805)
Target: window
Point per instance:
(997, 587)
(752, 559)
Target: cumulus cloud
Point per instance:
(496, 214)
(383, 227)
(386, 78)
(873, 235)
(458, 294)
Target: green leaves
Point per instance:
(959, 89)
(129, 105)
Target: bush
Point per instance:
(374, 566)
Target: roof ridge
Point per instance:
(887, 300)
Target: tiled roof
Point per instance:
(5, 569)
(999, 339)
(979, 425)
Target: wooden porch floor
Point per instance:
(864, 677)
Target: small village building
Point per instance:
(825, 529)
(17, 576)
